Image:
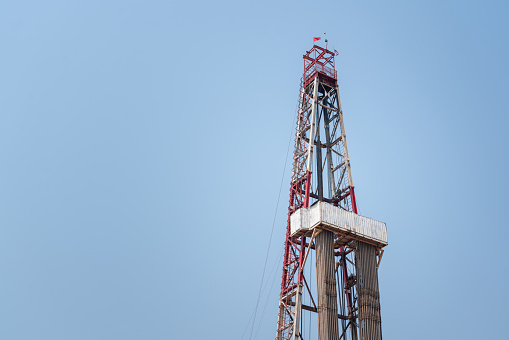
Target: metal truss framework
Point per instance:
(320, 161)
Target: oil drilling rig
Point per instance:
(323, 223)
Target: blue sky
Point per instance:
(143, 144)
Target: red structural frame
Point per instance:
(318, 62)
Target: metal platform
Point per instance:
(348, 225)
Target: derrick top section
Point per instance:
(319, 61)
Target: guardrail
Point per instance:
(328, 71)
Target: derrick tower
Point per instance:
(323, 219)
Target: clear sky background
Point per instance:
(142, 145)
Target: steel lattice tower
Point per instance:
(322, 217)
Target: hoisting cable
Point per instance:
(272, 230)
(270, 289)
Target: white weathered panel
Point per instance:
(299, 221)
(325, 213)
(314, 215)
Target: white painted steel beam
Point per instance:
(298, 312)
(312, 123)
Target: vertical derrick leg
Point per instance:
(370, 327)
(298, 295)
(326, 287)
(298, 311)
(280, 320)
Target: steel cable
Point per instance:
(272, 230)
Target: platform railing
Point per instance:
(328, 71)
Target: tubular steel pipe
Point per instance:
(326, 287)
(368, 292)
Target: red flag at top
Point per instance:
(316, 38)
(336, 52)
